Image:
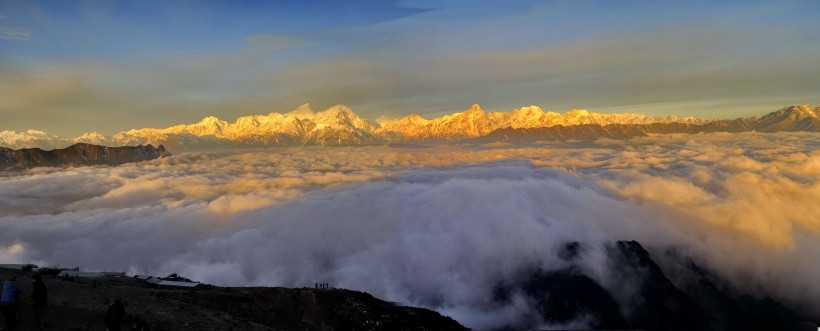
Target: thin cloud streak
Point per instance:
(11, 33)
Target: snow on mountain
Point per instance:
(534, 117)
(475, 122)
(402, 128)
(94, 138)
(467, 124)
(302, 112)
(793, 118)
(43, 140)
(471, 123)
(339, 125)
(30, 139)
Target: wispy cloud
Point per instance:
(12, 33)
(275, 42)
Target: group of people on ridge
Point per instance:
(11, 302)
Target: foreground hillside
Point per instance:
(564, 298)
(80, 304)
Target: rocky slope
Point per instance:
(794, 118)
(339, 125)
(80, 304)
(645, 297)
(80, 154)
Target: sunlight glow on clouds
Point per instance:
(436, 227)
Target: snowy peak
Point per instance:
(94, 138)
(793, 118)
(207, 126)
(414, 119)
(211, 121)
(409, 120)
(339, 125)
(341, 117)
(525, 117)
(304, 111)
(798, 112)
(529, 112)
(577, 113)
(29, 139)
(467, 124)
(475, 108)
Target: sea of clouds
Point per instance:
(439, 226)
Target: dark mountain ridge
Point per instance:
(80, 154)
(80, 304)
(645, 298)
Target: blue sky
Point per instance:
(69, 67)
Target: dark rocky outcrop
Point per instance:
(77, 155)
(645, 298)
(328, 309)
(567, 295)
(655, 304)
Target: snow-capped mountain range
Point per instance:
(339, 125)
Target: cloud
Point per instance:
(274, 42)
(20, 91)
(11, 33)
(438, 227)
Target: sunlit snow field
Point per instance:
(435, 226)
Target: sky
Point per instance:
(69, 67)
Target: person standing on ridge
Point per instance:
(39, 298)
(8, 302)
(114, 316)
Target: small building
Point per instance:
(88, 274)
(158, 282)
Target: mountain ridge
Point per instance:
(79, 154)
(339, 125)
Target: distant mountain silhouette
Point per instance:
(77, 155)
